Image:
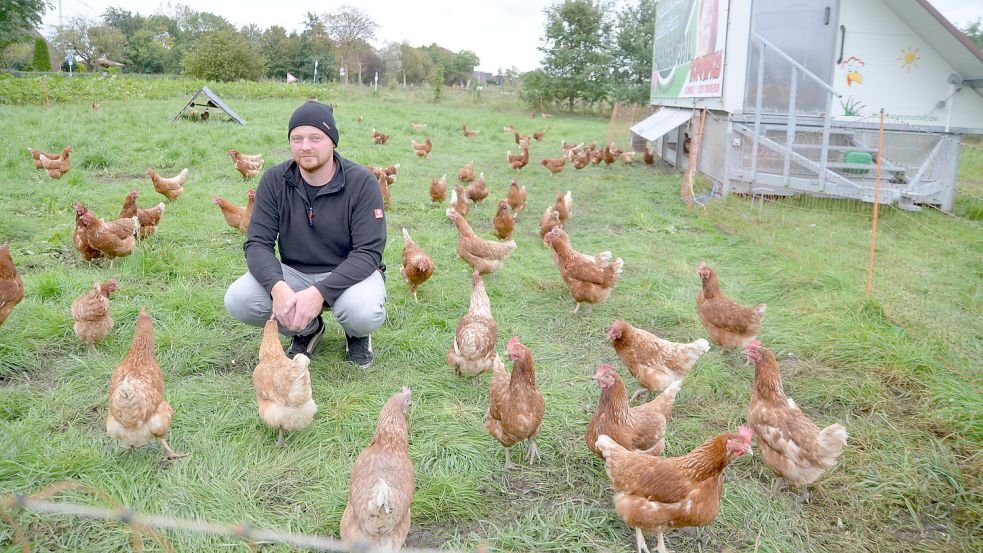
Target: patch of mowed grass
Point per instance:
(899, 370)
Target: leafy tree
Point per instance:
(146, 53)
(17, 18)
(632, 53)
(75, 38)
(350, 27)
(223, 55)
(317, 46)
(536, 88)
(462, 65)
(41, 61)
(370, 64)
(416, 64)
(437, 81)
(108, 41)
(282, 52)
(575, 44)
(974, 31)
(391, 56)
(124, 20)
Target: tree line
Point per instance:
(207, 46)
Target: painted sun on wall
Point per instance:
(908, 58)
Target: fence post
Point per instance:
(877, 192)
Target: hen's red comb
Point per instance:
(745, 433)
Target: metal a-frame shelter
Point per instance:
(211, 100)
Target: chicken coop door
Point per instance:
(806, 30)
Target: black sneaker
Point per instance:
(359, 351)
(308, 343)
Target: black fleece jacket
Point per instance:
(345, 233)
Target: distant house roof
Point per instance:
(107, 63)
(950, 43)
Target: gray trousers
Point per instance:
(360, 310)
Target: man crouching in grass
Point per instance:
(325, 214)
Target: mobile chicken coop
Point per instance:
(794, 90)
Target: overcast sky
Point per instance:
(504, 33)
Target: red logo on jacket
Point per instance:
(378, 213)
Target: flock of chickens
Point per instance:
(653, 494)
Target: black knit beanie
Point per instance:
(317, 115)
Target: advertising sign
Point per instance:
(688, 54)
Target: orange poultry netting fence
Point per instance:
(623, 116)
(941, 242)
(141, 525)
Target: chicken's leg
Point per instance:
(661, 546)
(640, 541)
(279, 438)
(639, 392)
(575, 309)
(416, 299)
(532, 454)
(168, 452)
(804, 498)
(508, 459)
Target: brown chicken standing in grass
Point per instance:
(383, 181)
(114, 238)
(504, 222)
(36, 154)
(555, 165)
(473, 350)
(379, 138)
(659, 494)
(564, 205)
(56, 166)
(459, 200)
(149, 218)
(170, 188)
(423, 149)
(649, 156)
(138, 412)
(790, 443)
(283, 385)
(231, 212)
(485, 256)
(547, 222)
(728, 323)
(81, 244)
(478, 190)
(91, 312)
(516, 197)
(518, 161)
(655, 363)
(515, 405)
(247, 213)
(641, 428)
(381, 487)
(466, 173)
(248, 165)
(589, 279)
(438, 189)
(417, 265)
(11, 285)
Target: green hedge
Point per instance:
(29, 90)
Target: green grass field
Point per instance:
(901, 371)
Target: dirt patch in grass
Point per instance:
(114, 179)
